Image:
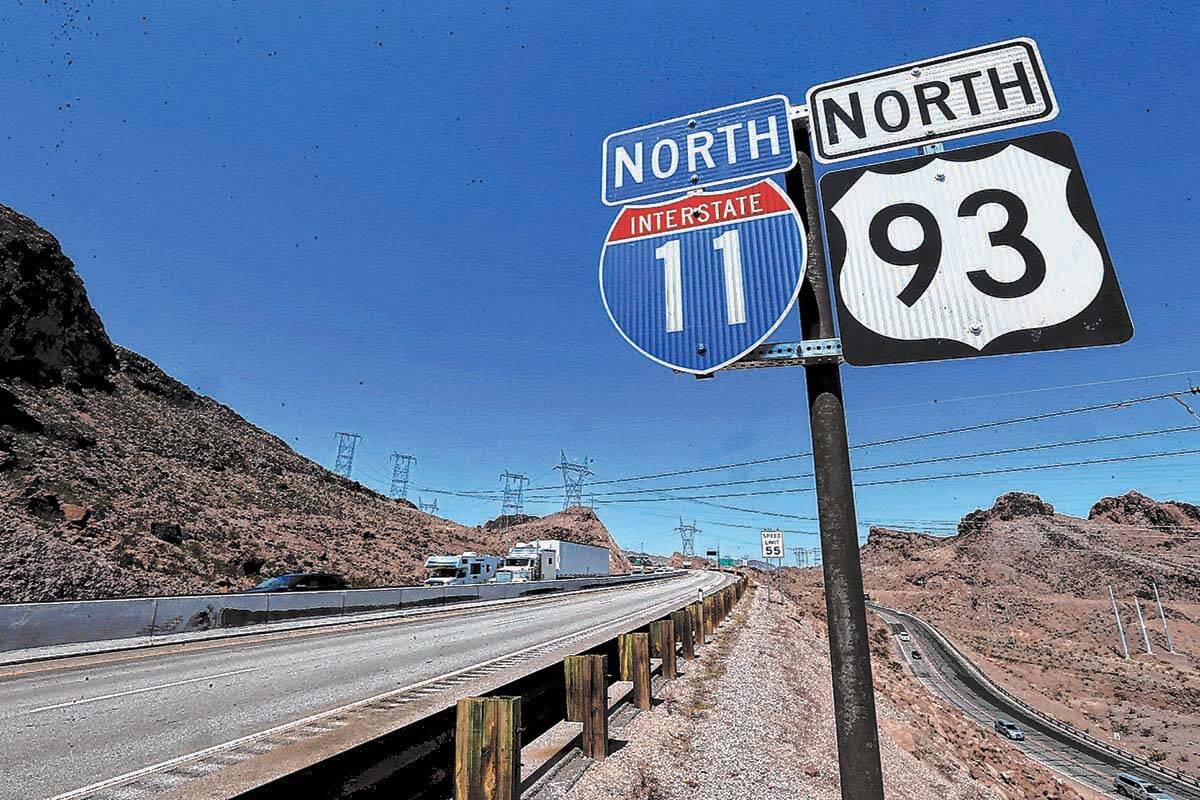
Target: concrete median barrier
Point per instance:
(28, 626)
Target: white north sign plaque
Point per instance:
(988, 88)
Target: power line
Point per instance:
(918, 462)
(917, 479)
(901, 439)
(1018, 392)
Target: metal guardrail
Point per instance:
(1065, 727)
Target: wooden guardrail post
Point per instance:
(662, 645)
(697, 609)
(487, 749)
(587, 701)
(635, 666)
(683, 632)
(710, 617)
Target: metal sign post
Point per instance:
(849, 649)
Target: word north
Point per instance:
(989, 88)
(738, 142)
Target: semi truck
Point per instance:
(551, 559)
(460, 570)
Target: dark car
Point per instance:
(916, 654)
(303, 582)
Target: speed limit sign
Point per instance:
(981, 251)
(772, 545)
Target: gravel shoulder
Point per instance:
(755, 714)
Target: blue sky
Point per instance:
(385, 219)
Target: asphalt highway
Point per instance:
(71, 724)
(945, 677)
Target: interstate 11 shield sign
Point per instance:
(696, 283)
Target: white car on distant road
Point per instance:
(1009, 730)
(1138, 788)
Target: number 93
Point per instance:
(927, 255)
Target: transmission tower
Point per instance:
(401, 463)
(573, 475)
(428, 508)
(687, 533)
(344, 465)
(800, 555)
(514, 493)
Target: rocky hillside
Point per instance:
(116, 479)
(1021, 542)
(1026, 590)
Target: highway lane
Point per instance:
(104, 716)
(943, 676)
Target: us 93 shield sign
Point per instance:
(981, 251)
(698, 282)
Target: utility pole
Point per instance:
(401, 463)
(687, 534)
(1162, 615)
(344, 464)
(513, 502)
(1142, 621)
(573, 476)
(849, 647)
(1120, 627)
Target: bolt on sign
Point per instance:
(980, 251)
(738, 142)
(988, 88)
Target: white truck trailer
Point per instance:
(551, 559)
(460, 570)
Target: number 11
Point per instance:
(729, 243)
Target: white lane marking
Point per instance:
(287, 726)
(142, 690)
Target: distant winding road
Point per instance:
(946, 676)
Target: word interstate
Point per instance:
(700, 211)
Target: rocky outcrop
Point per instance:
(1135, 508)
(897, 541)
(1010, 506)
(507, 521)
(49, 332)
